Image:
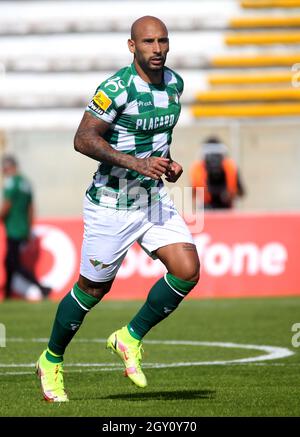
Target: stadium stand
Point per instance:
(51, 55)
(272, 47)
(236, 65)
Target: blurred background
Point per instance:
(239, 61)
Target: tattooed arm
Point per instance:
(90, 142)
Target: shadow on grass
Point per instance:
(164, 395)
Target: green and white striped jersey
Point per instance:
(142, 117)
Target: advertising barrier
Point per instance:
(241, 255)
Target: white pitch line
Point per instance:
(109, 369)
(272, 353)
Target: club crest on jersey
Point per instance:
(100, 103)
(98, 264)
(174, 98)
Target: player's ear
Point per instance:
(131, 45)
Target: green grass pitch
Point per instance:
(94, 378)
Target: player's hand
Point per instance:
(173, 172)
(153, 167)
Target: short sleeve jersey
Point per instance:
(141, 117)
(17, 190)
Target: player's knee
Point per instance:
(96, 289)
(190, 273)
(192, 276)
(98, 293)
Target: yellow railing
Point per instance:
(264, 21)
(250, 78)
(270, 3)
(261, 60)
(246, 110)
(259, 38)
(240, 95)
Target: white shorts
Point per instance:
(109, 233)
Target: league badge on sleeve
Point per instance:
(100, 103)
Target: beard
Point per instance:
(153, 64)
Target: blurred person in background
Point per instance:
(218, 175)
(16, 213)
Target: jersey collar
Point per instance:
(160, 86)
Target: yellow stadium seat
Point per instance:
(270, 4)
(264, 21)
(262, 38)
(246, 110)
(256, 60)
(276, 77)
(239, 95)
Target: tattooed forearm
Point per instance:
(88, 142)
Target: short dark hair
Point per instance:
(212, 140)
(10, 160)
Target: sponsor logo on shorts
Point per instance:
(98, 264)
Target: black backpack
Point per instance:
(216, 180)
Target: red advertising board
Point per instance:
(241, 255)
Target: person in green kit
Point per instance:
(127, 127)
(17, 214)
